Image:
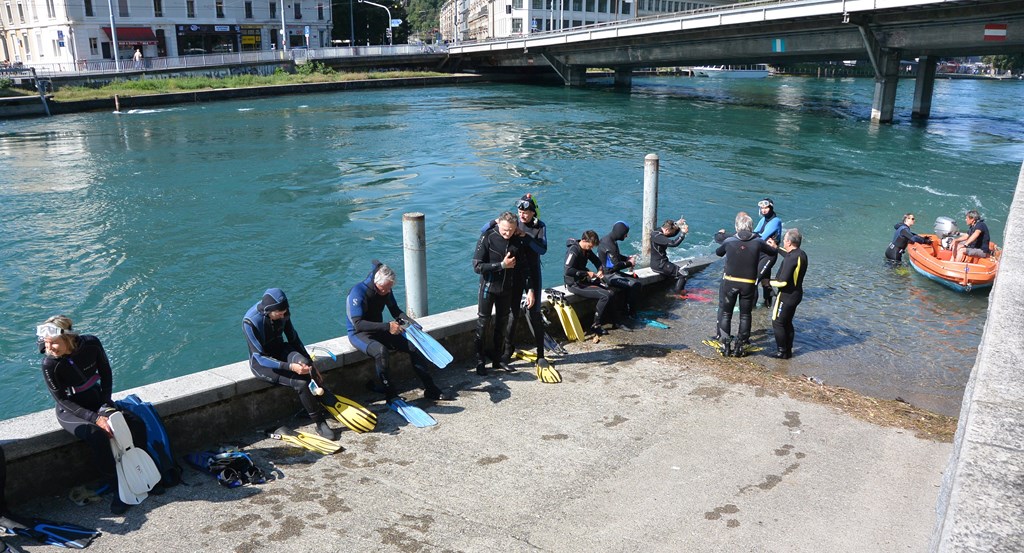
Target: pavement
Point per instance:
(640, 448)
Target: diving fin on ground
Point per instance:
(137, 474)
(722, 349)
(547, 373)
(48, 532)
(348, 412)
(428, 346)
(304, 440)
(524, 355)
(550, 343)
(414, 415)
(652, 322)
(158, 443)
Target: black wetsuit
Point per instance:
(81, 384)
(367, 331)
(900, 238)
(536, 240)
(742, 252)
(576, 278)
(274, 346)
(659, 257)
(612, 261)
(500, 290)
(790, 282)
(770, 226)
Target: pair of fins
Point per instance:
(412, 414)
(650, 318)
(137, 474)
(427, 345)
(305, 440)
(550, 343)
(546, 372)
(47, 532)
(566, 315)
(346, 411)
(728, 349)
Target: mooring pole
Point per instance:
(651, 168)
(414, 242)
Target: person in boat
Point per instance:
(790, 283)
(500, 260)
(612, 262)
(582, 282)
(534, 233)
(78, 376)
(671, 234)
(976, 241)
(769, 228)
(277, 354)
(367, 331)
(901, 237)
(742, 253)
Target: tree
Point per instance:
(1010, 62)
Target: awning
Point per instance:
(133, 35)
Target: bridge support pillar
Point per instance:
(923, 87)
(884, 103)
(575, 75)
(623, 78)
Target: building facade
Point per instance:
(471, 20)
(47, 33)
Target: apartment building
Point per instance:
(470, 20)
(41, 33)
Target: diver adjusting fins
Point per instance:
(48, 532)
(348, 412)
(137, 474)
(547, 373)
(427, 345)
(305, 440)
(414, 415)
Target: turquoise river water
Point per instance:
(157, 229)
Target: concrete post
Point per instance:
(923, 87)
(623, 78)
(651, 168)
(576, 75)
(414, 242)
(884, 103)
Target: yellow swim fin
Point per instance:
(547, 373)
(524, 355)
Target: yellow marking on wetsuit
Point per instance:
(737, 279)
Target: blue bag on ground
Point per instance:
(158, 444)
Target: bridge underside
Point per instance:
(883, 37)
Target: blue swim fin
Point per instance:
(60, 534)
(652, 322)
(428, 346)
(416, 416)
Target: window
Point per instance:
(627, 8)
(190, 8)
(51, 12)
(122, 8)
(248, 10)
(94, 46)
(24, 42)
(298, 10)
(590, 5)
(320, 11)
(158, 8)
(10, 16)
(21, 12)
(220, 8)
(549, 4)
(273, 10)
(39, 45)
(517, 5)
(517, 25)
(577, 5)
(602, 6)
(88, 8)
(537, 4)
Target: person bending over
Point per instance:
(671, 234)
(612, 262)
(582, 282)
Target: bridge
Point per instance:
(773, 32)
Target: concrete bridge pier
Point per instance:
(575, 75)
(924, 87)
(623, 78)
(887, 76)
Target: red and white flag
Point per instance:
(995, 31)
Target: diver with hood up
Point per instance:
(900, 238)
(769, 228)
(277, 355)
(612, 261)
(671, 234)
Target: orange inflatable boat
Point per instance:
(935, 262)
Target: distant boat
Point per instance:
(757, 71)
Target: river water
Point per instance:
(157, 229)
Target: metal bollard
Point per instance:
(651, 168)
(414, 242)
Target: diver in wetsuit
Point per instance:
(901, 237)
(79, 378)
(500, 260)
(742, 252)
(612, 261)
(769, 228)
(534, 233)
(367, 331)
(582, 282)
(278, 356)
(790, 282)
(671, 234)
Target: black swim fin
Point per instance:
(8, 548)
(48, 532)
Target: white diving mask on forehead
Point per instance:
(48, 330)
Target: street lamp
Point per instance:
(113, 37)
(389, 16)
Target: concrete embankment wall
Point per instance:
(981, 504)
(214, 406)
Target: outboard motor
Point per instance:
(946, 230)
